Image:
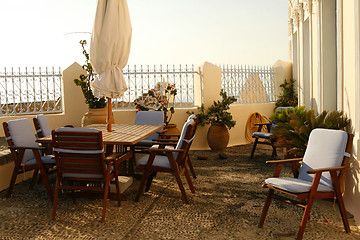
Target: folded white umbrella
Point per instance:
(109, 49)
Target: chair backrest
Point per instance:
(79, 153)
(42, 126)
(326, 148)
(186, 137)
(150, 118)
(20, 133)
(283, 108)
(192, 116)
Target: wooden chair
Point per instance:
(26, 153)
(43, 129)
(167, 141)
(320, 176)
(173, 162)
(267, 138)
(81, 164)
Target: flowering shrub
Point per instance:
(161, 98)
(288, 96)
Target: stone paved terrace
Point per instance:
(227, 205)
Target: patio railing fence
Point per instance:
(141, 79)
(249, 84)
(30, 91)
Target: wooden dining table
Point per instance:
(121, 135)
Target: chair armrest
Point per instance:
(162, 150)
(320, 170)
(285, 160)
(165, 143)
(113, 156)
(20, 147)
(165, 140)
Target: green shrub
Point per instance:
(294, 127)
(217, 112)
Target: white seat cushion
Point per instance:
(159, 161)
(262, 134)
(48, 159)
(295, 185)
(85, 175)
(145, 142)
(156, 146)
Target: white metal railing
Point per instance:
(249, 84)
(30, 91)
(141, 79)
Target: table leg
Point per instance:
(132, 161)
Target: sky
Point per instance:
(40, 33)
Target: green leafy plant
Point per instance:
(283, 115)
(217, 112)
(293, 130)
(288, 96)
(161, 98)
(85, 80)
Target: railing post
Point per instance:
(73, 100)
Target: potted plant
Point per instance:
(288, 98)
(97, 111)
(160, 98)
(220, 119)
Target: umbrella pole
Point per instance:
(109, 115)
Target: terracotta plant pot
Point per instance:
(218, 137)
(98, 115)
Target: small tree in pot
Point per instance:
(97, 112)
(85, 80)
(220, 119)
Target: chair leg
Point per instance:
(72, 192)
(106, 194)
(343, 212)
(142, 184)
(34, 177)
(43, 173)
(12, 181)
(305, 218)
(191, 167)
(56, 198)
(188, 178)
(117, 188)
(47, 183)
(253, 149)
(149, 181)
(265, 208)
(181, 186)
(340, 201)
(274, 153)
